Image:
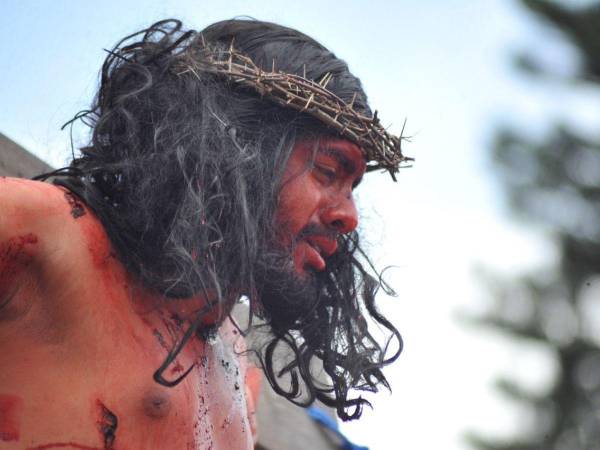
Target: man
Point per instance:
(221, 166)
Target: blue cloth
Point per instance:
(323, 419)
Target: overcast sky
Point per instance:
(444, 66)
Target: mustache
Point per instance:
(313, 229)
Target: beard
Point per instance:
(321, 318)
(288, 300)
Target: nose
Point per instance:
(342, 216)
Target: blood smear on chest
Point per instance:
(11, 408)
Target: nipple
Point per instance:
(156, 404)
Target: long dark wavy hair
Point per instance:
(184, 173)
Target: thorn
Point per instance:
(230, 55)
(310, 99)
(325, 80)
(351, 105)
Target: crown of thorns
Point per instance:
(382, 149)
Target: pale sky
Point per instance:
(442, 65)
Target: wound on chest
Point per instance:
(107, 425)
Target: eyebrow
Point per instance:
(347, 165)
(339, 156)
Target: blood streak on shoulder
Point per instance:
(15, 255)
(11, 409)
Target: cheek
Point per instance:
(298, 205)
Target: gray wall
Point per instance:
(15, 161)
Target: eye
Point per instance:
(325, 173)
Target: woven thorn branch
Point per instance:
(382, 149)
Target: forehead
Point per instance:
(346, 153)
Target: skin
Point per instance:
(80, 341)
(317, 191)
(80, 338)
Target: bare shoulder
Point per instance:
(31, 211)
(30, 204)
(42, 228)
(25, 207)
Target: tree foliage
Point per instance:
(555, 183)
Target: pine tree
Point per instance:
(555, 183)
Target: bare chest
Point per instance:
(90, 385)
(80, 342)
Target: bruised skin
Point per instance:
(81, 356)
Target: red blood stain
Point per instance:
(63, 445)
(160, 339)
(107, 424)
(98, 244)
(177, 368)
(15, 255)
(11, 407)
(108, 268)
(77, 209)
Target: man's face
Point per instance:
(316, 203)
